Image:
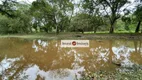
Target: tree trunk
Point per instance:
(111, 28)
(45, 29)
(74, 28)
(112, 21)
(95, 29)
(57, 30)
(127, 26)
(138, 27)
(30, 29)
(61, 28)
(81, 30)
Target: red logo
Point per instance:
(73, 43)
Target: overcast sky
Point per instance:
(130, 6)
(76, 1)
(34, 0)
(28, 1)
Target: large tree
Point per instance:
(14, 13)
(126, 18)
(7, 7)
(138, 14)
(112, 8)
(51, 13)
(80, 22)
(42, 15)
(95, 17)
(62, 9)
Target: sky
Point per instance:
(34, 0)
(28, 1)
(130, 6)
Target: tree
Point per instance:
(51, 13)
(61, 9)
(112, 8)
(84, 22)
(138, 14)
(80, 22)
(42, 15)
(96, 18)
(18, 22)
(25, 23)
(126, 19)
(97, 21)
(4, 28)
(7, 7)
(64, 23)
(89, 6)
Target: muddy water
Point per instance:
(22, 59)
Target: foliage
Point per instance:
(114, 75)
(126, 18)
(54, 14)
(86, 22)
(115, 7)
(19, 24)
(138, 14)
(61, 16)
(4, 24)
(7, 7)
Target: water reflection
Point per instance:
(122, 55)
(45, 59)
(40, 45)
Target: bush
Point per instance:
(4, 24)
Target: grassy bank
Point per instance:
(123, 73)
(116, 75)
(75, 36)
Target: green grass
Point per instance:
(92, 32)
(73, 35)
(114, 75)
(117, 31)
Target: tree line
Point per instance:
(70, 16)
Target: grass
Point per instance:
(73, 35)
(103, 75)
(91, 32)
(117, 31)
(134, 73)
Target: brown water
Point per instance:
(22, 59)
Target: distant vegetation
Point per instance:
(55, 16)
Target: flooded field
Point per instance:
(23, 59)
